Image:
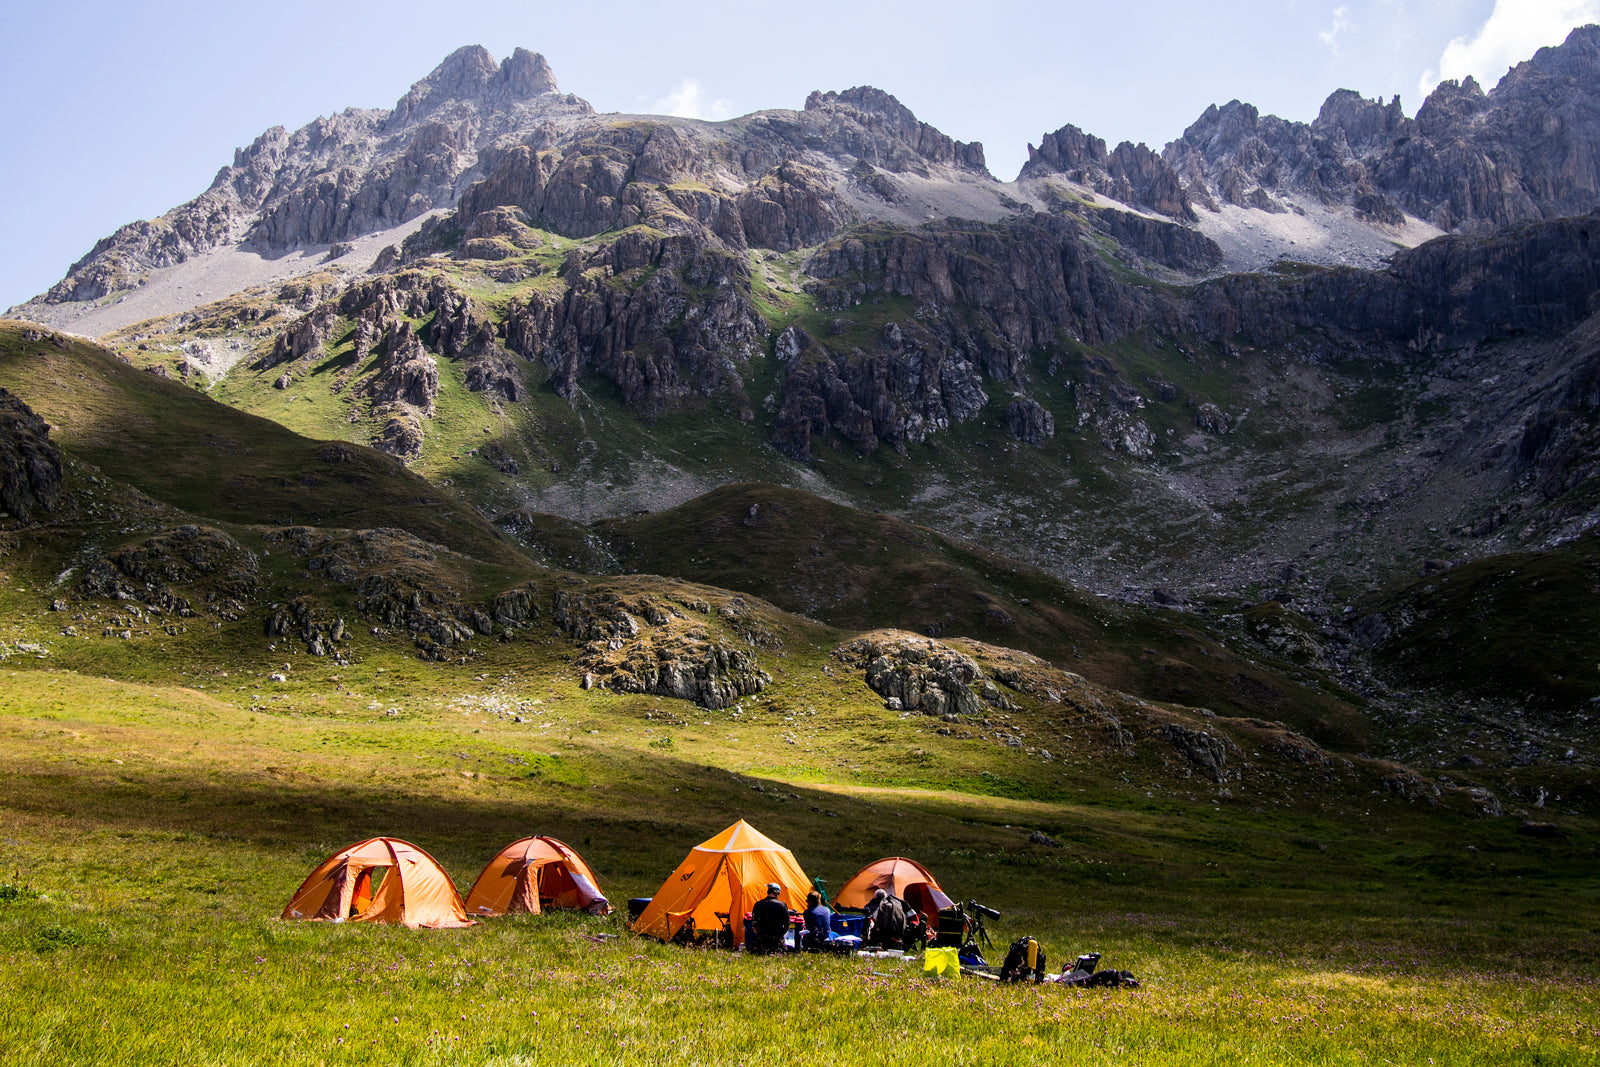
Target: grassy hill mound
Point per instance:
(1496, 660)
(210, 460)
(858, 570)
(1523, 626)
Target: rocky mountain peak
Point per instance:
(462, 75)
(527, 74)
(864, 98)
(471, 75)
(1069, 148)
(1576, 57)
(1470, 161)
(1367, 125)
(1225, 127)
(1450, 105)
(891, 128)
(1131, 173)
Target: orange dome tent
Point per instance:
(533, 874)
(724, 876)
(382, 879)
(903, 878)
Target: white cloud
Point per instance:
(1341, 25)
(689, 101)
(1514, 31)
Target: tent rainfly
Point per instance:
(533, 874)
(382, 879)
(903, 878)
(721, 877)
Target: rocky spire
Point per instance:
(470, 74)
(1367, 125)
(1131, 173)
(872, 125)
(525, 74)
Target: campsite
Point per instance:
(154, 832)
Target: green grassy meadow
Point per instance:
(150, 835)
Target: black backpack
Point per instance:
(1017, 966)
(888, 924)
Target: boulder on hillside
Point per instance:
(1029, 422)
(30, 466)
(647, 644)
(200, 561)
(918, 674)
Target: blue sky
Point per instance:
(119, 111)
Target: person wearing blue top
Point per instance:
(819, 922)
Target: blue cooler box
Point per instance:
(853, 925)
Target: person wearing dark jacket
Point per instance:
(770, 917)
(878, 897)
(886, 921)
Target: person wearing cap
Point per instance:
(770, 918)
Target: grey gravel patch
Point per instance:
(205, 278)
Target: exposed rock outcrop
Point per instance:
(1206, 750)
(1029, 422)
(1131, 173)
(499, 233)
(406, 372)
(298, 618)
(1556, 449)
(398, 579)
(30, 466)
(1449, 292)
(1169, 244)
(792, 206)
(667, 653)
(305, 337)
(1469, 161)
(685, 328)
(176, 568)
(1031, 279)
(915, 675)
(909, 385)
(648, 172)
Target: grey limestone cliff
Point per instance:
(1469, 161)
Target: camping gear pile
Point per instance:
(709, 897)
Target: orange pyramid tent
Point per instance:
(382, 879)
(533, 874)
(724, 876)
(900, 877)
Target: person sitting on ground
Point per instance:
(869, 913)
(886, 924)
(819, 922)
(770, 917)
(878, 897)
